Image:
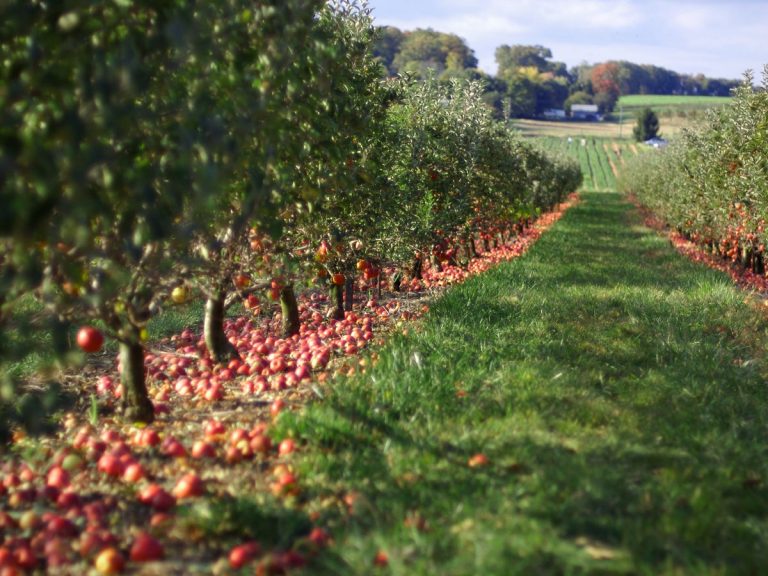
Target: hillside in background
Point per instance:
(528, 81)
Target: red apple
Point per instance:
(145, 548)
(60, 526)
(276, 407)
(57, 477)
(287, 446)
(240, 555)
(156, 497)
(242, 281)
(261, 444)
(302, 372)
(381, 559)
(90, 339)
(214, 428)
(25, 557)
(237, 435)
(147, 437)
(203, 449)
(68, 499)
(319, 537)
(286, 485)
(189, 486)
(174, 448)
(111, 465)
(478, 460)
(134, 472)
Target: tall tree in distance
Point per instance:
(510, 58)
(606, 84)
(425, 50)
(647, 126)
(533, 82)
(387, 45)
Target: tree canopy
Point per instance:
(423, 50)
(527, 81)
(512, 58)
(647, 126)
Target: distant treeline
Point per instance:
(527, 80)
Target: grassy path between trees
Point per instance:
(617, 390)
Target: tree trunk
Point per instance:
(290, 311)
(758, 266)
(349, 293)
(471, 246)
(434, 261)
(416, 267)
(486, 245)
(397, 280)
(137, 407)
(219, 347)
(746, 255)
(337, 300)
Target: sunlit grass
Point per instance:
(617, 390)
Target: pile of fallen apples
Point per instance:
(106, 496)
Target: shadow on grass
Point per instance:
(609, 384)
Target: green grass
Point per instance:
(670, 109)
(617, 389)
(594, 156)
(661, 100)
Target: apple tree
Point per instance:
(268, 96)
(107, 173)
(332, 230)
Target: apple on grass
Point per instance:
(287, 446)
(478, 460)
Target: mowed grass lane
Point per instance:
(617, 390)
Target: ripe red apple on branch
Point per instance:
(90, 339)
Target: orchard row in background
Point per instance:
(711, 184)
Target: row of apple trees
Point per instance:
(711, 184)
(239, 147)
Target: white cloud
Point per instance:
(692, 18)
(569, 14)
(716, 37)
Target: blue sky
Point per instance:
(718, 38)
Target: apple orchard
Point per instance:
(251, 156)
